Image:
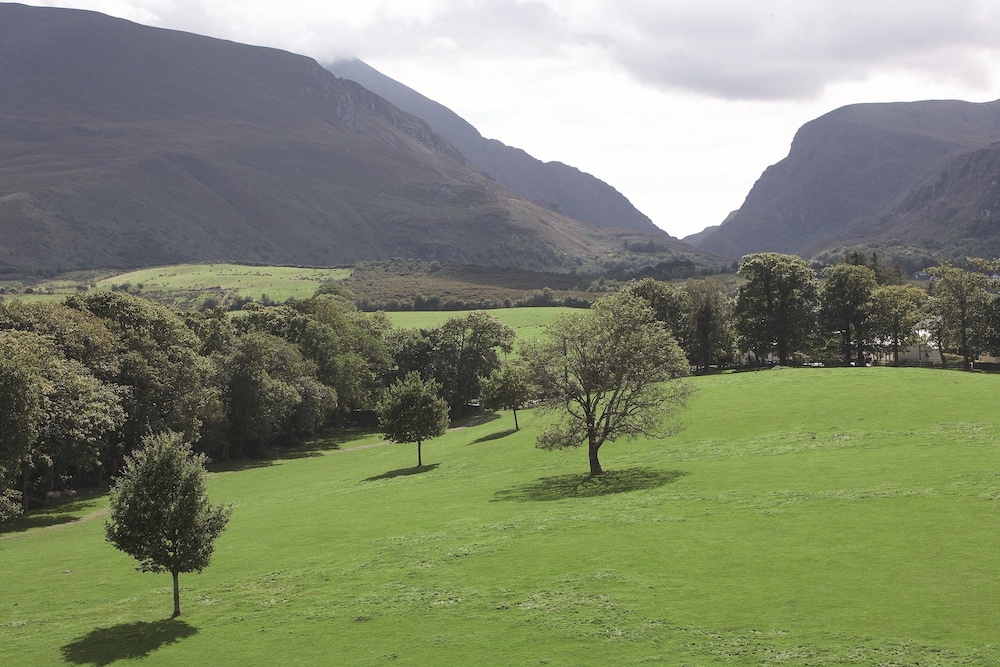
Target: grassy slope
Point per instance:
(820, 517)
(528, 323)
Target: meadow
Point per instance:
(190, 285)
(528, 323)
(802, 517)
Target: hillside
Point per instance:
(861, 174)
(569, 190)
(129, 146)
(836, 530)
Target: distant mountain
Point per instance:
(920, 172)
(569, 190)
(125, 146)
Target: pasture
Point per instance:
(528, 323)
(802, 517)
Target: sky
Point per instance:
(678, 104)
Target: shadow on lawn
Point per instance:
(494, 436)
(104, 646)
(402, 472)
(54, 515)
(330, 440)
(585, 486)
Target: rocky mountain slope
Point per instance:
(569, 190)
(923, 173)
(126, 146)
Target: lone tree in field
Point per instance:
(506, 388)
(412, 411)
(612, 373)
(160, 513)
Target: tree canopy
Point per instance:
(774, 309)
(412, 411)
(611, 373)
(160, 512)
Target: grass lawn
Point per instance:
(803, 517)
(527, 322)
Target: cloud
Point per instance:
(726, 49)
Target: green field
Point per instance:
(803, 517)
(528, 323)
(190, 281)
(190, 285)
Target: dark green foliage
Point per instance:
(774, 308)
(895, 312)
(507, 388)
(456, 354)
(960, 299)
(412, 411)
(160, 512)
(610, 373)
(708, 336)
(845, 307)
(54, 414)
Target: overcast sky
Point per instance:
(679, 104)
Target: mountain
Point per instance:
(569, 190)
(872, 172)
(125, 146)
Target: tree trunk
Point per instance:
(177, 597)
(516, 427)
(420, 460)
(595, 464)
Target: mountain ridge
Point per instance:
(850, 169)
(571, 191)
(129, 146)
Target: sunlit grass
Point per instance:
(803, 517)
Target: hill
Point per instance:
(129, 146)
(918, 172)
(567, 189)
(835, 530)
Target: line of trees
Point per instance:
(783, 312)
(83, 382)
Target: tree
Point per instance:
(412, 411)
(611, 373)
(507, 388)
(895, 312)
(54, 414)
(160, 512)
(962, 300)
(708, 322)
(844, 306)
(774, 308)
(669, 304)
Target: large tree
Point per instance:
(54, 414)
(708, 323)
(160, 512)
(412, 411)
(896, 310)
(961, 300)
(774, 308)
(611, 372)
(845, 307)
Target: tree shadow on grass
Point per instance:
(331, 439)
(402, 472)
(585, 486)
(104, 646)
(494, 436)
(63, 512)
